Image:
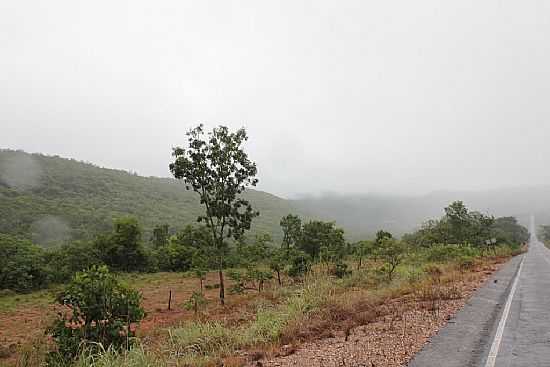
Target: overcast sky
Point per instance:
(343, 96)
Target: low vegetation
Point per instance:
(308, 285)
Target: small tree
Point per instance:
(219, 170)
(259, 277)
(277, 262)
(200, 268)
(101, 312)
(317, 234)
(381, 235)
(361, 250)
(195, 302)
(160, 235)
(392, 252)
(299, 263)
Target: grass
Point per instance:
(319, 307)
(10, 302)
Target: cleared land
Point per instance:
(322, 321)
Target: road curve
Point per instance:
(505, 324)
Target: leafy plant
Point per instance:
(218, 169)
(195, 302)
(392, 253)
(102, 313)
(22, 266)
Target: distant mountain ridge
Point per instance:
(52, 199)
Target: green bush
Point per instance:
(22, 265)
(341, 270)
(65, 261)
(300, 264)
(102, 315)
(447, 253)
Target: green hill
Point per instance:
(51, 199)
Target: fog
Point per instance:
(337, 96)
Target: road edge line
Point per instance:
(495, 347)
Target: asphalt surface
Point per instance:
(515, 335)
(526, 337)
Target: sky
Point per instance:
(363, 96)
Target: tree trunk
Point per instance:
(201, 286)
(279, 277)
(222, 287)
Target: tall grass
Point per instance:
(320, 302)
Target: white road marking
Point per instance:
(491, 359)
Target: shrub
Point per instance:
(195, 302)
(391, 252)
(22, 267)
(102, 314)
(300, 264)
(446, 253)
(341, 270)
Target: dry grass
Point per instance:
(276, 322)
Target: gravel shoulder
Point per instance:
(466, 339)
(394, 340)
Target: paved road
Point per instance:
(526, 336)
(505, 324)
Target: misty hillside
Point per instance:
(50, 199)
(362, 215)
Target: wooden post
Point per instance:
(170, 301)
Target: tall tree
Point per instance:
(217, 168)
(292, 229)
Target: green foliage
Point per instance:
(160, 235)
(102, 314)
(65, 261)
(196, 302)
(278, 261)
(507, 230)
(391, 252)
(22, 265)
(382, 235)
(445, 253)
(248, 254)
(191, 247)
(299, 263)
(259, 277)
(292, 230)
(362, 250)
(253, 278)
(123, 250)
(317, 235)
(458, 226)
(218, 169)
(465, 226)
(238, 279)
(341, 270)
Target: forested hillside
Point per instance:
(48, 199)
(51, 199)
